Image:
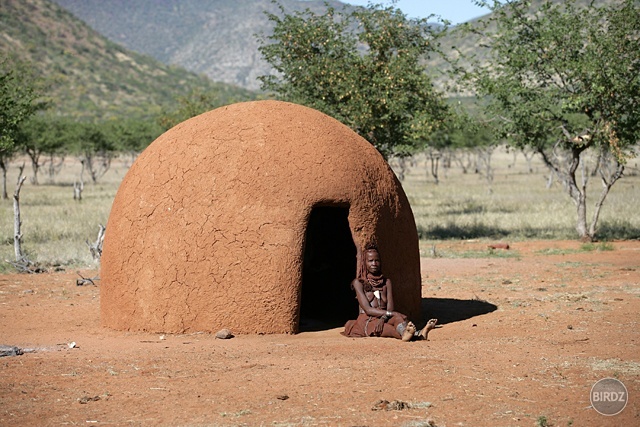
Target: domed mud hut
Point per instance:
(245, 218)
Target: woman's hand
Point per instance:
(379, 326)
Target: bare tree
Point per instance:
(78, 186)
(55, 165)
(573, 171)
(17, 223)
(96, 247)
(433, 159)
(485, 168)
(97, 164)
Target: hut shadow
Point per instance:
(446, 310)
(449, 310)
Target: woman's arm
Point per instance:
(390, 305)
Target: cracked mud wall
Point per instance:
(208, 226)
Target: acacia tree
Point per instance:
(94, 146)
(42, 137)
(564, 80)
(363, 68)
(189, 106)
(131, 136)
(18, 101)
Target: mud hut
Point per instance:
(247, 217)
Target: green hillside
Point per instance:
(89, 76)
(471, 43)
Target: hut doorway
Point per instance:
(329, 266)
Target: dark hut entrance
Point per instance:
(329, 266)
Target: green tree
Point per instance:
(189, 106)
(18, 96)
(94, 146)
(198, 102)
(363, 68)
(18, 101)
(41, 136)
(131, 136)
(565, 81)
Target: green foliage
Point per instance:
(467, 130)
(564, 72)
(44, 134)
(49, 135)
(602, 246)
(363, 68)
(563, 80)
(198, 102)
(18, 100)
(542, 421)
(88, 138)
(133, 135)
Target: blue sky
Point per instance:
(456, 11)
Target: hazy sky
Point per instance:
(456, 11)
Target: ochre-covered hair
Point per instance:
(362, 266)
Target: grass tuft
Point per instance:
(600, 247)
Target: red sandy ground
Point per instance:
(563, 321)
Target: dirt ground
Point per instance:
(523, 340)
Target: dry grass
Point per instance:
(518, 207)
(54, 226)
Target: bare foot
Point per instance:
(429, 326)
(409, 331)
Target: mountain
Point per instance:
(89, 75)
(218, 37)
(211, 37)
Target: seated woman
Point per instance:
(375, 298)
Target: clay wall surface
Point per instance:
(208, 226)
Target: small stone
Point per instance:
(9, 350)
(224, 334)
(394, 405)
(86, 399)
(380, 405)
(282, 397)
(398, 405)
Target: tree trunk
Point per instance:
(434, 159)
(610, 171)
(3, 166)
(402, 166)
(96, 248)
(78, 187)
(17, 223)
(578, 193)
(529, 157)
(55, 167)
(484, 156)
(34, 155)
(97, 164)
